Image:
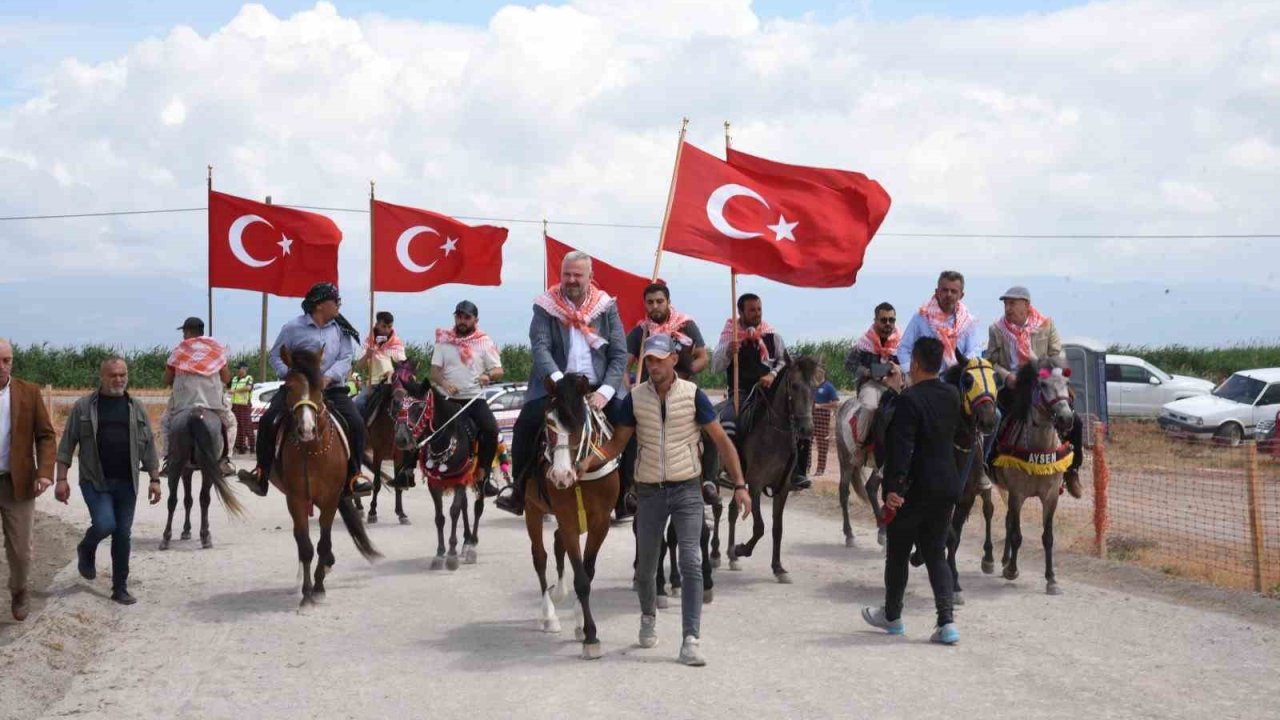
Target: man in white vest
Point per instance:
(668, 416)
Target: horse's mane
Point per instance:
(953, 374)
(307, 364)
(805, 365)
(569, 411)
(1028, 376)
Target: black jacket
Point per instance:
(926, 425)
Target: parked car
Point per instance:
(260, 399)
(506, 399)
(1267, 434)
(1231, 412)
(1136, 388)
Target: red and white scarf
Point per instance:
(199, 356)
(886, 350)
(748, 334)
(1020, 336)
(675, 321)
(467, 345)
(948, 334)
(375, 350)
(594, 304)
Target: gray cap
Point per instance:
(468, 307)
(1017, 292)
(193, 323)
(659, 346)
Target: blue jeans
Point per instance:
(682, 503)
(112, 515)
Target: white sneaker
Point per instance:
(691, 654)
(648, 631)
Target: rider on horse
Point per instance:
(383, 350)
(946, 318)
(761, 355)
(575, 329)
(692, 356)
(464, 362)
(873, 357)
(1024, 335)
(197, 371)
(322, 328)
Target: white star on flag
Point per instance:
(450, 244)
(285, 243)
(782, 231)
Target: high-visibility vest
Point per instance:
(241, 390)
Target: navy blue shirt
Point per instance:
(826, 394)
(704, 412)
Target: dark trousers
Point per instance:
(486, 433)
(339, 401)
(111, 513)
(924, 526)
(524, 442)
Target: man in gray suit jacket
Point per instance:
(575, 329)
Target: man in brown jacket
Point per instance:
(27, 447)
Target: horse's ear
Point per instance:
(549, 385)
(581, 384)
(286, 357)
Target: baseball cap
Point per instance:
(468, 307)
(659, 346)
(1017, 292)
(192, 323)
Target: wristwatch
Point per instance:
(740, 486)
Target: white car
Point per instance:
(505, 400)
(1136, 388)
(260, 398)
(1232, 412)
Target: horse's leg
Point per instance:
(298, 509)
(206, 497)
(673, 548)
(547, 620)
(455, 509)
(1013, 538)
(560, 591)
(582, 588)
(437, 498)
(757, 527)
(187, 501)
(324, 550)
(732, 521)
(660, 575)
(988, 513)
(372, 516)
(846, 480)
(471, 526)
(173, 507)
(779, 504)
(958, 518)
(716, 510)
(707, 582)
(1049, 501)
(873, 497)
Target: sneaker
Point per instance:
(253, 478)
(123, 597)
(21, 605)
(648, 631)
(690, 653)
(946, 634)
(86, 565)
(490, 486)
(512, 502)
(875, 618)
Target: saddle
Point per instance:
(339, 425)
(455, 465)
(378, 396)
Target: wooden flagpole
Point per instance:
(546, 277)
(372, 257)
(207, 280)
(262, 344)
(733, 301)
(671, 199)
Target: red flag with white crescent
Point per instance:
(269, 248)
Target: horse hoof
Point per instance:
(451, 562)
(783, 577)
(848, 541)
(957, 598)
(404, 520)
(988, 567)
(164, 543)
(559, 592)
(469, 556)
(206, 541)
(186, 535)
(437, 563)
(675, 591)
(551, 626)
(708, 595)
(715, 561)
(663, 603)
(1010, 573)
(742, 551)
(734, 565)
(579, 634)
(1052, 589)
(592, 651)
(372, 519)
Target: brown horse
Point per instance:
(311, 469)
(572, 432)
(380, 443)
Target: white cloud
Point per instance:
(1115, 117)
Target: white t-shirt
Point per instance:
(6, 424)
(463, 375)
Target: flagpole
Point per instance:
(545, 277)
(262, 343)
(372, 257)
(207, 280)
(671, 199)
(733, 298)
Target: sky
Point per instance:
(983, 118)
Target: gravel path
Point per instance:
(217, 634)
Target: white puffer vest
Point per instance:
(669, 450)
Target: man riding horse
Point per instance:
(762, 355)
(946, 318)
(197, 371)
(870, 360)
(320, 328)
(383, 350)
(466, 361)
(575, 329)
(1024, 335)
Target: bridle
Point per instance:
(772, 420)
(594, 427)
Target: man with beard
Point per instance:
(575, 329)
(761, 355)
(946, 318)
(111, 432)
(320, 328)
(873, 357)
(383, 349)
(464, 363)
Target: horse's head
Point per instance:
(566, 428)
(304, 391)
(405, 374)
(414, 403)
(1050, 394)
(794, 388)
(976, 380)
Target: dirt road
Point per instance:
(217, 634)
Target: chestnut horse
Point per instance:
(380, 445)
(311, 469)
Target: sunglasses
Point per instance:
(888, 321)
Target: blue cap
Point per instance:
(659, 346)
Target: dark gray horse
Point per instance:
(195, 442)
(766, 442)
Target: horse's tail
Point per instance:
(203, 442)
(355, 528)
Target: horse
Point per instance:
(1031, 457)
(858, 469)
(380, 444)
(196, 435)
(429, 422)
(767, 448)
(976, 381)
(572, 431)
(311, 470)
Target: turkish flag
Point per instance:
(625, 288)
(846, 181)
(781, 224)
(414, 250)
(269, 248)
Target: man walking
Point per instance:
(668, 416)
(242, 409)
(466, 361)
(921, 486)
(109, 432)
(27, 446)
